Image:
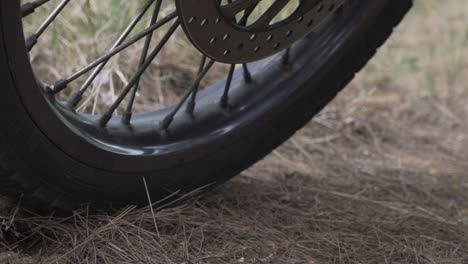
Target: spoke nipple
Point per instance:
(190, 107)
(27, 9)
(105, 120)
(126, 117)
(224, 101)
(75, 100)
(60, 85)
(31, 42)
(167, 122)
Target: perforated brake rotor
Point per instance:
(221, 32)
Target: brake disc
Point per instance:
(225, 33)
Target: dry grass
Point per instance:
(379, 177)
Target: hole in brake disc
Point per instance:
(236, 32)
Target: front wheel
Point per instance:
(86, 133)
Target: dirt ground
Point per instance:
(380, 176)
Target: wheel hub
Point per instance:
(228, 33)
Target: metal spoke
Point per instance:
(128, 111)
(30, 7)
(286, 56)
(62, 84)
(170, 117)
(191, 104)
(224, 101)
(130, 91)
(108, 115)
(243, 21)
(247, 75)
(31, 41)
(76, 98)
(110, 105)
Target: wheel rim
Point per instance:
(141, 147)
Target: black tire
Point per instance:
(33, 165)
